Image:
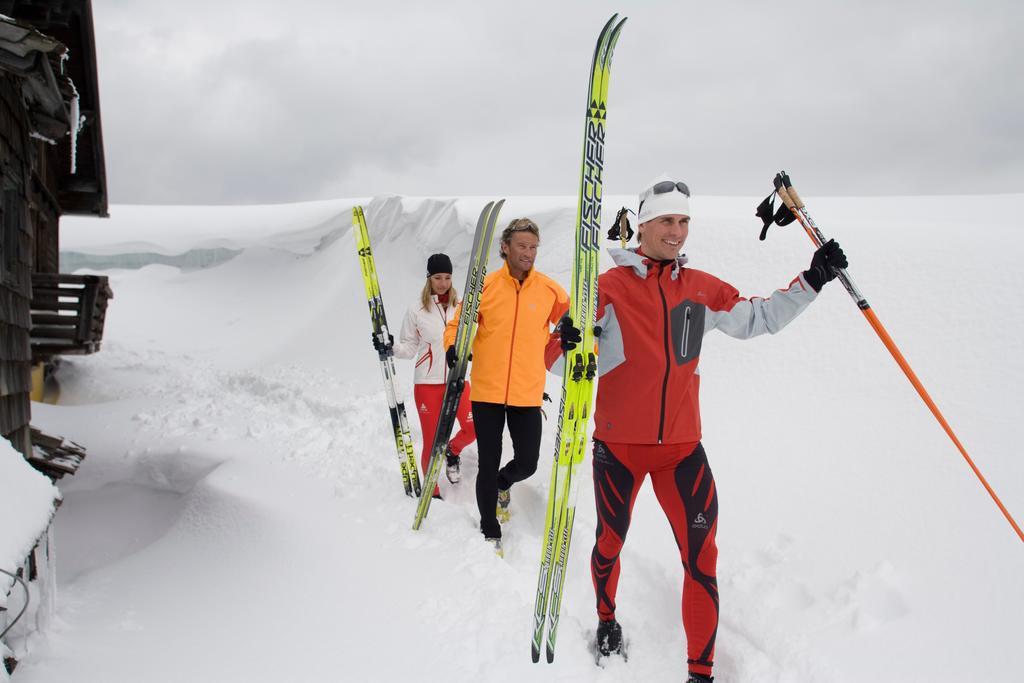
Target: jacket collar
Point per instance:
(437, 302)
(639, 262)
(508, 273)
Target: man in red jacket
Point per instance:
(653, 313)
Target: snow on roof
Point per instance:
(26, 505)
(21, 39)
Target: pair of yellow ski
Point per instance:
(382, 341)
(580, 363)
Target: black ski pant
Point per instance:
(524, 426)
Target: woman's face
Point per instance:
(440, 283)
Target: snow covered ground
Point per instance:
(240, 515)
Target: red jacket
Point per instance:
(653, 317)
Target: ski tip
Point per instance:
(535, 654)
(551, 656)
(606, 44)
(602, 41)
(492, 217)
(612, 40)
(617, 30)
(488, 207)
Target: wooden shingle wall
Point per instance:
(17, 249)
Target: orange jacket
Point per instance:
(514, 344)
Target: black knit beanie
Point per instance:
(439, 263)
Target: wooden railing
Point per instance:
(68, 312)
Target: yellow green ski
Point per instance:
(580, 363)
(399, 420)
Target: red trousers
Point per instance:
(686, 491)
(428, 404)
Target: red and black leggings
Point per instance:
(685, 488)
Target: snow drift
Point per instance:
(240, 516)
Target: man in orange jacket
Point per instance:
(513, 348)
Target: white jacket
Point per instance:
(422, 338)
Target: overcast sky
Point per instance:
(247, 101)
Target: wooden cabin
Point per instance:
(51, 164)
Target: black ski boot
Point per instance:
(699, 678)
(609, 638)
(452, 464)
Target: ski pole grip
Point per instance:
(784, 196)
(795, 197)
(788, 184)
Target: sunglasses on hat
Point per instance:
(664, 187)
(669, 185)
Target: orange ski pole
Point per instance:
(788, 194)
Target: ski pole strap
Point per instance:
(621, 229)
(768, 214)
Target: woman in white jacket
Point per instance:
(422, 338)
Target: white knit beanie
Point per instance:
(665, 203)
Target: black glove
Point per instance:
(381, 348)
(449, 357)
(570, 336)
(826, 260)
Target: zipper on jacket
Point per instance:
(444, 319)
(512, 345)
(686, 334)
(668, 357)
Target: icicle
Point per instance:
(75, 119)
(77, 122)
(39, 136)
